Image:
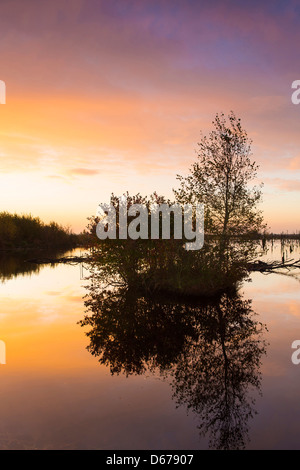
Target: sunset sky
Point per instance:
(109, 96)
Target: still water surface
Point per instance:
(54, 394)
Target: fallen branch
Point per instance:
(263, 266)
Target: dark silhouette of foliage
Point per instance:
(28, 232)
(14, 265)
(159, 265)
(221, 178)
(210, 350)
(218, 373)
(131, 334)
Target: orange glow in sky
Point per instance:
(106, 97)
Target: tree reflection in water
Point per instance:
(218, 373)
(211, 351)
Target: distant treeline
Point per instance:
(28, 232)
(282, 236)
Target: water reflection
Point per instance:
(13, 265)
(219, 372)
(211, 352)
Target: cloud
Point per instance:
(58, 177)
(83, 171)
(122, 89)
(289, 185)
(294, 163)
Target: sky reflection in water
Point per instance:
(55, 393)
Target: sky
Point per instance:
(109, 96)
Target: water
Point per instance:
(163, 376)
